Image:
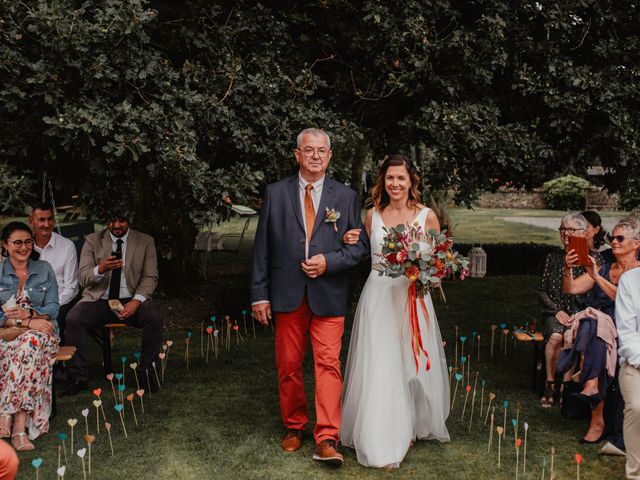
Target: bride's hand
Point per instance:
(351, 237)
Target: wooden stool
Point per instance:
(64, 353)
(536, 338)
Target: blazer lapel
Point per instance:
(327, 191)
(294, 194)
(128, 257)
(107, 244)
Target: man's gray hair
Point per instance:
(629, 224)
(576, 219)
(316, 132)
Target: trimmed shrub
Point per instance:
(566, 193)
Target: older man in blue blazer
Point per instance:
(299, 273)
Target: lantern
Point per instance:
(477, 262)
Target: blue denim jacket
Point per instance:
(41, 285)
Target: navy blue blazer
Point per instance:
(278, 251)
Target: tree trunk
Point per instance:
(357, 166)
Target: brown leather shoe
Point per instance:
(292, 440)
(327, 452)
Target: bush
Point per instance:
(566, 193)
(512, 258)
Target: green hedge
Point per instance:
(512, 258)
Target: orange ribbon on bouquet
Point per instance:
(416, 338)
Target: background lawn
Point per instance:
(221, 420)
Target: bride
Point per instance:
(387, 404)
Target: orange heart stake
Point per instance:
(518, 443)
(466, 397)
(130, 398)
(578, 463)
(491, 397)
(97, 392)
(90, 439)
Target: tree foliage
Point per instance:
(171, 108)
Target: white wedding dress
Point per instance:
(386, 403)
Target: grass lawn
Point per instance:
(221, 420)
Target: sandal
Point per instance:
(547, 398)
(23, 444)
(5, 425)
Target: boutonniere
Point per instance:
(332, 217)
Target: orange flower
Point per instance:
(412, 273)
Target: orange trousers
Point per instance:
(292, 329)
(8, 462)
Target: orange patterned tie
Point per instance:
(309, 211)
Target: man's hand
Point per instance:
(315, 266)
(130, 309)
(109, 263)
(262, 312)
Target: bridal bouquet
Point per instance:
(425, 258)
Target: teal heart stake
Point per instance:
(118, 407)
(514, 422)
(36, 462)
(63, 436)
(463, 339)
(458, 377)
(121, 387)
(244, 312)
(463, 359)
(123, 359)
(138, 355)
(503, 326)
(189, 334)
(118, 376)
(505, 404)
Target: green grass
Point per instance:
(221, 420)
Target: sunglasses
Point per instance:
(618, 238)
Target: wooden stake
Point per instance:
(456, 352)
(473, 400)
(490, 434)
(481, 400)
(493, 337)
(491, 397)
(478, 344)
(524, 456)
(107, 427)
(131, 399)
(455, 392)
(500, 433)
(553, 454)
(466, 397)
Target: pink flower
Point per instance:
(402, 256)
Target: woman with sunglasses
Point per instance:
(591, 333)
(555, 302)
(29, 298)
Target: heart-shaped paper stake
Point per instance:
(121, 387)
(85, 412)
(463, 339)
(505, 404)
(118, 376)
(137, 355)
(90, 439)
(110, 377)
(97, 392)
(463, 359)
(526, 426)
(123, 359)
(503, 326)
(61, 471)
(63, 436)
(36, 462)
(468, 388)
(81, 453)
(130, 397)
(169, 343)
(72, 422)
(235, 327)
(492, 396)
(458, 377)
(444, 343)
(209, 330)
(216, 332)
(162, 355)
(107, 426)
(474, 333)
(513, 422)
(118, 407)
(499, 430)
(244, 312)
(505, 331)
(227, 317)
(133, 366)
(493, 327)
(189, 334)
(97, 403)
(518, 442)
(140, 392)
(578, 459)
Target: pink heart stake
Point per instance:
(107, 427)
(110, 378)
(140, 394)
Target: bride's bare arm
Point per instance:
(367, 221)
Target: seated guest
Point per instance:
(61, 255)
(8, 462)
(628, 323)
(591, 337)
(596, 235)
(556, 302)
(29, 298)
(116, 264)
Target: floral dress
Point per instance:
(25, 375)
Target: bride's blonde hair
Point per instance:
(380, 198)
